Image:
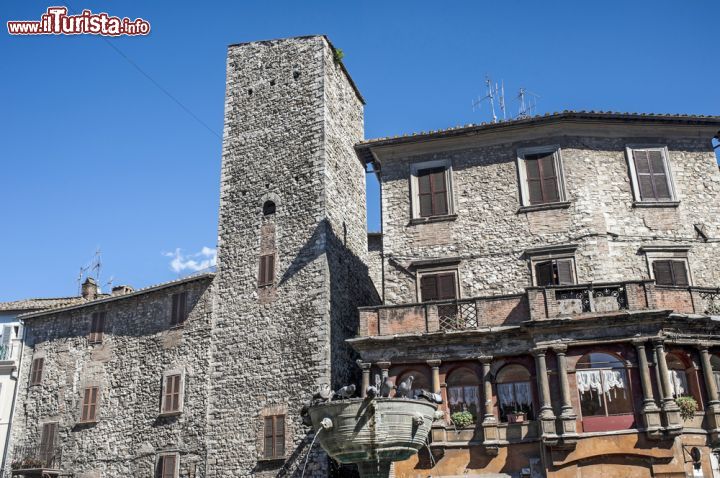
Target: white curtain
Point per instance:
(608, 382)
(455, 395)
(678, 383)
(514, 394)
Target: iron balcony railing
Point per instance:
(595, 298)
(33, 457)
(457, 315)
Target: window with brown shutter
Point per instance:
(97, 328)
(669, 272)
(179, 308)
(555, 272)
(167, 466)
(172, 393)
(440, 286)
(652, 177)
(274, 434)
(90, 405)
(37, 371)
(432, 192)
(542, 179)
(48, 439)
(266, 275)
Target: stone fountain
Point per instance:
(372, 432)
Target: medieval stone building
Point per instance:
(554, 278)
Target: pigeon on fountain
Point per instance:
(405, 388)
(346, 392)
(323, 394)
(429, 396)
(372, 391)
(386, 387)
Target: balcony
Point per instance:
(33, 460)
(537, 303)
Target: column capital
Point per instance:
(486, 359)
(702, 346)
(658, 342)
(539, 351)
(560, 349)
(639, 342)
(434, 363)
(383, 365)
(365, 365)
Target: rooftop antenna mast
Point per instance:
(528, 103)
(493, 91)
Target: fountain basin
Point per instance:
(373, 432)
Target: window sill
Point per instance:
(264, 459)
(543, 207)
(170, 414)
(656, 204)
(425, 220)
(86, 423)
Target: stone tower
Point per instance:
(291, 252)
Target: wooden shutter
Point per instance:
(679, 271)
(37, 371)
(280, 436)
(428, 288)
(269, 440)
(274, 434)
(89, 407)
(446, 286)
(542, 180)
(48, 438)
(172, 392)
(544, 274)
(432, 192)
(266, 275)
(651, 175)
(565, 273)
(97, 327)
(167, 466)
(663, 272)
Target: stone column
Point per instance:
(489, 423)
(365, 378)
(712, 410)
(435, 367)
(547, 417)
(671, 412)
(650, 410)
(567, 414)
(384, 369)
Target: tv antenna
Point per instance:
(528, 103)
(493, 91)
(93, 266)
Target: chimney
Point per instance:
(89, 289)
(122, 290)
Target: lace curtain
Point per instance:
(514, 395)
(678, 383)
(602, 382)
(468, 396)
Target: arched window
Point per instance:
(678, 376)
(715, 363)
(514, 393)
(420, 380)
(463, 390)
(603, 386)
(268, 208)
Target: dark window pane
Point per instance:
(657, 164)
(424, 183)
(662, 190)
(544, 274)
(547, 166)
(426, 209)
(550, 190)
(440, 204)
(532, 167)
(438, 181)
(641, 161)
(535, 190)
(446, 286)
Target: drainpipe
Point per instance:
(12, 407)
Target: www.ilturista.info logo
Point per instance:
(57, 22)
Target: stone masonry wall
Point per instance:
(490, 234)
(139, 345)
(291, 121)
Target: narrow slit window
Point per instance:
(37, 371)
(274, 434)
(266, 275)
(172, 393)
(167, 466)
(97, 328)
(179, 308)
(90, 405)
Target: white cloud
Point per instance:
(206, 258)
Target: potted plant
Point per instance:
(516, 416)
(688, 407)
(462, 419)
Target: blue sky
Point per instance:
(95, 155)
